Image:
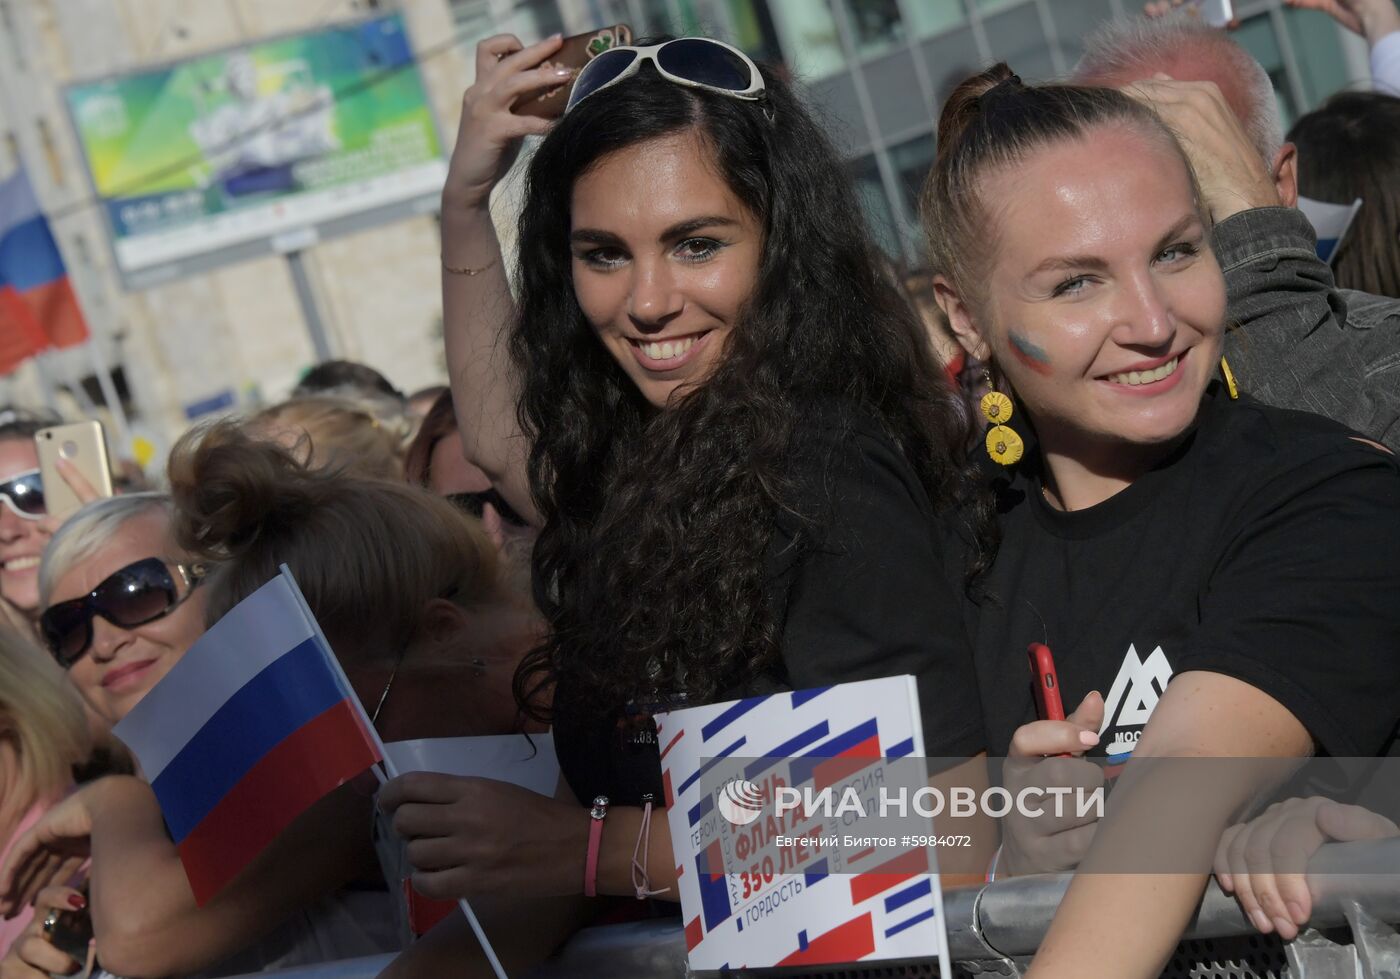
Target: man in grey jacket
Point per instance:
(1296, 340)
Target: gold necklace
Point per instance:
(1045, 495)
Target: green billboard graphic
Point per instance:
(212, 158)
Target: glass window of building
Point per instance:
(986, 6)
(948, 59)
(1017, 37)
(474, 23)
(926, 17)
(530, 20)
(807, 31)
(879, 215)
(1074, 21)
(1318, 48)
(876, 25)
(752, 29)
(656, 17)
(912, 161)
(1257, 36)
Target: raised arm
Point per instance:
(1372, 19)
(477, 307)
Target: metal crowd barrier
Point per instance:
(994, 929)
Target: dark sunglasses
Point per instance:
(23, 493)
(695, 62)
(475, 504)
(141, 592)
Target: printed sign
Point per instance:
(766, 800)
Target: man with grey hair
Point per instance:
(1181, 47)
(1296, 341)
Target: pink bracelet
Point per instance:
(640, 882)
(598, 813)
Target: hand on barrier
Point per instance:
(1263, 862)
(53, 849)
(33, 956)
(1372, 19)
(469, 837)
(1049, 843)
(1233, 176)
(489, 134)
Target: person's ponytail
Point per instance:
(368, 554)
(233, 493)
(964, 105)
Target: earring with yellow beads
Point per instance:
(1003, 444)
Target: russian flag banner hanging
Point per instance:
(253, 725)
(38, 308)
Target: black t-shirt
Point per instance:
(872, 598)
(1267, 548)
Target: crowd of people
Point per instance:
(700, 443)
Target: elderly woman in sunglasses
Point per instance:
(721, 413)
(120, 606)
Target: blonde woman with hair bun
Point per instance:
(357, 436)
(43, 734)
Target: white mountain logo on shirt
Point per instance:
(1131, 700)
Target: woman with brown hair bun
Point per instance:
(385, 566)
(1223, 569)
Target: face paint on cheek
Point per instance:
(1030, 354)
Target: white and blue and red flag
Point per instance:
(1330, 221)
(254, 724)
(38, 308)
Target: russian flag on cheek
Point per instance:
(250, 728)
(38, 308)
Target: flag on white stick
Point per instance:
(1330, 221)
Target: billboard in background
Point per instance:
(264, 147)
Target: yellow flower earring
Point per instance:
(1003, 444)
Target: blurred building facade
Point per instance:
(876, 70)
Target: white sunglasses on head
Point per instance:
(695, 62)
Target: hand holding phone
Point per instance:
(574, 53)
(84, 473)
(519, 90)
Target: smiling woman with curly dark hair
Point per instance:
(730, 425)
(662, 480)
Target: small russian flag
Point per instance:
(38, 308)
(1330, 221)
(254, 724)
